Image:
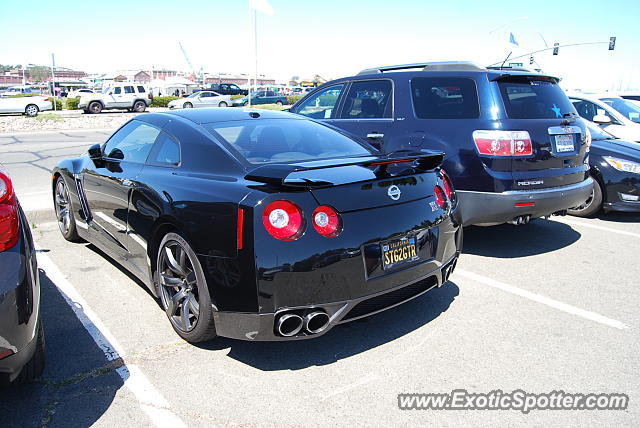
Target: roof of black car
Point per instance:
(219, 114)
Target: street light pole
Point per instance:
(53, 82)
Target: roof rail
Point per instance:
(426, 66)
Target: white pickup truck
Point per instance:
(127, 96)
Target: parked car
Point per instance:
(261, 225)
(620, 120)
(16, 90)
(29, 106)
(261, 97)
(79, 92)
(21, 332)
(514, 145)
(227, 89)
(202, 99)
(615, 165)
(128, 96)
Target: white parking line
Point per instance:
(149, 398)
(594, 226)
(592, 316)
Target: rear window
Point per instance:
(534, 99)
(445, 98)
(284, 140)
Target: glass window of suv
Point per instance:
(129, 90)
(534, 98)
(117, 90)
(141, 90)
(445, 98)
(368, 99)
(322, 104)
(132, 143)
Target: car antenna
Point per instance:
(505, 60)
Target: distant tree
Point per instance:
(5, 68)
(39, 73)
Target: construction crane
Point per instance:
(186, 57)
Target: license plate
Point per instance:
(564, 143)
(399, 251)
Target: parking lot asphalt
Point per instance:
(551, 305)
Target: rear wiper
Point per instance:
(569, 118)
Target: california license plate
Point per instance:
(564, 143)
(399, 251)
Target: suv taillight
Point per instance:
(283, 220)
(503, 143)
(9, 230)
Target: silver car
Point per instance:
(25, 105)
(202, 99)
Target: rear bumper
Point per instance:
(261, 326)
(493, 208)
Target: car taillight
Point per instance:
(283, 220)
(8, 214)
(326, 221)
(503, 143)
(46, 99)
(448, 187)
(440, 198)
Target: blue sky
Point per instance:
(332, 38)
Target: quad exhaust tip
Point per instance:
(520, 220)
(315, 322)
(289, 325)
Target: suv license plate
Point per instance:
(564, 143)
(399, 251)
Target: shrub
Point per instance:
(58, 105)
(292, 99)
(235, 97)
(162, 101)
(72, 103)
(269, 106)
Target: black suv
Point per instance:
(515, 146)
(227, 89)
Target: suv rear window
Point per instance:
(526, 98)
(445, 98)
(284, 140)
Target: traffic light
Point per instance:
(531, 60)
(612, 43)
(556, 47)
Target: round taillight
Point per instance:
(283, 220)
(448, 188)
(326, 221)
(440, 198)
(6, 189)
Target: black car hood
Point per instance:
(612, 147)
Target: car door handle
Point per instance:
(375, 135)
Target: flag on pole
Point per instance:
(262, 6)
(512, 39)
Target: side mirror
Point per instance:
(601, 119)
(95, 152)
(116, 154)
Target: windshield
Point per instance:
(531, 98)
(105, 90)
(194, 95)
(284, 140)
(629, 109)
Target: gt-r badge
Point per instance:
(394, 192)
(434, 206)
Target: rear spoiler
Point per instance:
(278, 174)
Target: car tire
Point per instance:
(592, 205)
(187, 105)
(223, 104)
(139, 106)
(182, 288)
(31, 110)
(95, 107)
(35, 366)
(64, 211)
(279, 103)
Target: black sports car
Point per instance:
(615, 166)
(21, 333)
(261, 225)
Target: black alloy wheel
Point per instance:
(64, 212)
(183, 291)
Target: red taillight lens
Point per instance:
(8, 214)
(448, 188)
(46, 99)
(326, 221)
(283, 220)
(440, 198)
(503, 143)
